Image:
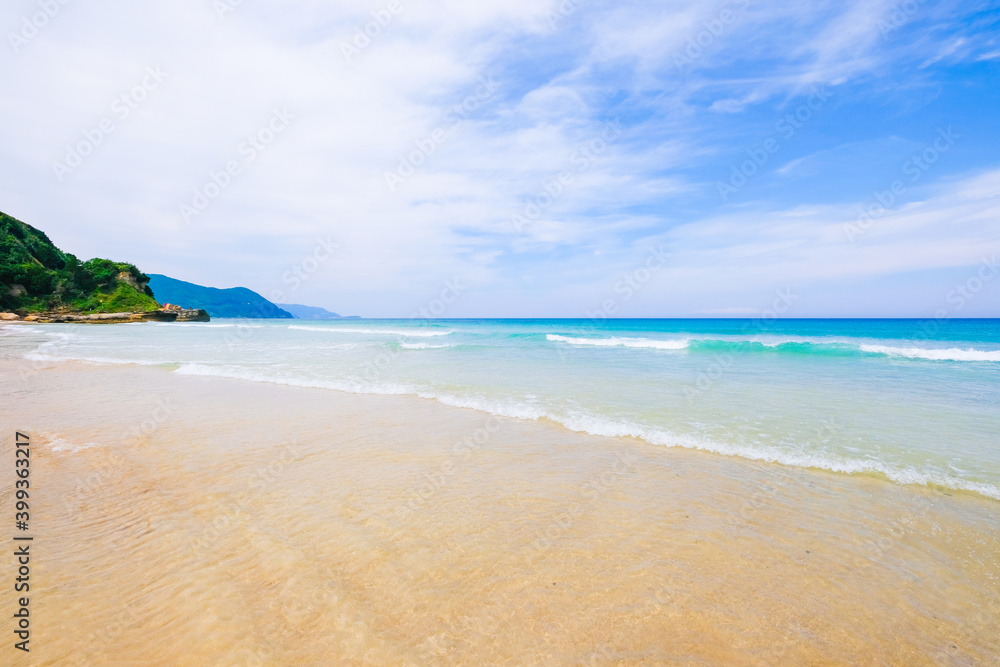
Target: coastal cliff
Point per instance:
(41, 283)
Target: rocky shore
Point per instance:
(169, 313)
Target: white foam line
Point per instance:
(598, 426)
(35, 356)
(609, 428)
(423, 346)
(235, 373)
(205, 325)
(622, 342)
(382, 332)
(17, 328)
(950, 354)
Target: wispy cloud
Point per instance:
(692, 86)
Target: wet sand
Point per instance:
(183, 520)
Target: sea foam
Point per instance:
(950, 354)
(419, 333)
(423, 346)
(37, 356)
(621, 342)
(582, 422)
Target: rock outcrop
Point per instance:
(191, 315)
(103, 318)
(186, 314)
(129, 279)
(9, 317)
(175, 314)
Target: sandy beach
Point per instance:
(191, 520)
(389, 333)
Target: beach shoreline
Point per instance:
(280, 524)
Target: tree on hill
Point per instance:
(36, 276)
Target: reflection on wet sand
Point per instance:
(192, 521)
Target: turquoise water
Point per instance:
(917, 401)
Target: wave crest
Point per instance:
(950, 354)
(612, 428)
(787, 347)
(621, 342)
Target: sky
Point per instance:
(519, 158)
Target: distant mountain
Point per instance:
(309, 312)
(232, 302)
(36, 276)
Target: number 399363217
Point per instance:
(22, 468)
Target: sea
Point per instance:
(911, 401)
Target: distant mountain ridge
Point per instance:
(313, 312)
(231, 302)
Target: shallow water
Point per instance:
(187, 520)
(915, 401)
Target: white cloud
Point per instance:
(355, 118)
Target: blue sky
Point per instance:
(531, 155)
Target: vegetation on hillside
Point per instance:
(36, 276)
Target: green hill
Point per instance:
(36, 276)
(232, 302)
